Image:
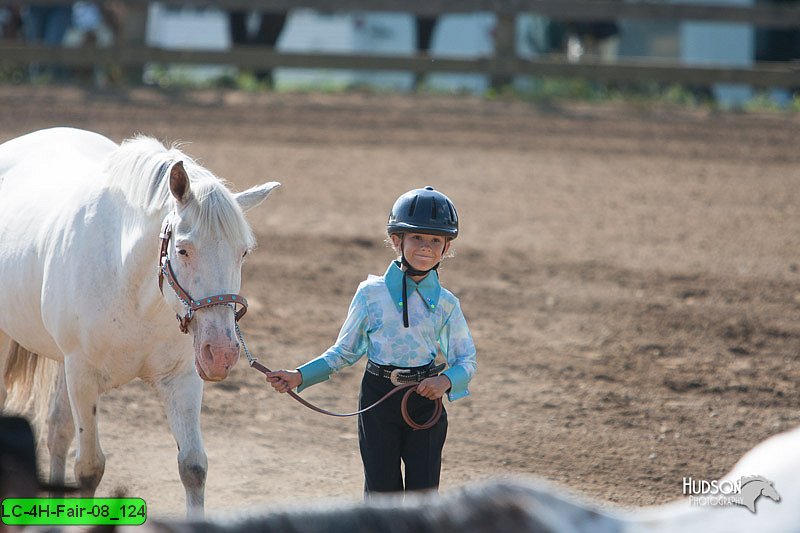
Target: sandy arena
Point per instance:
(631, 276)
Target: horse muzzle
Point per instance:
(214, 361)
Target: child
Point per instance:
(400, 321)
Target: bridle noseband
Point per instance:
(192, 305)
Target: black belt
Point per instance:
(404, 375)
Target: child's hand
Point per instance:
(433, 388)
(285, 380)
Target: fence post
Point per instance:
(132, 37)
(505, 48)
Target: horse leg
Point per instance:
(61, 429)
(83, 386)
(182, 396)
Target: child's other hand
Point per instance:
(433, 388)
(285, 380)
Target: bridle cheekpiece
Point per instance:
(191, 305)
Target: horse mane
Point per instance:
(137, 168)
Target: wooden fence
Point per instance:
(131, 50)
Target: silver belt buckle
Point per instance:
(394, 376)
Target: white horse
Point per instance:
(80, 274)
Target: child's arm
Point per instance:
(459, 349)
(350, 346)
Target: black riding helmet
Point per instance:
(421, 211)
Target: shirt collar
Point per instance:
(429, 287)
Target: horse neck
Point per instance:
(753, 487)
(140, 261)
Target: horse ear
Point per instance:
(179, 183)
(254, 196)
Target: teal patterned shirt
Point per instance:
(374, 326)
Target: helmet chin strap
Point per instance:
(410, 271)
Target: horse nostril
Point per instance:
(208, 354)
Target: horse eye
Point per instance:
(245, 254)
(183, 252)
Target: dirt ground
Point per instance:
(630, 274)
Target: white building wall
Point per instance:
(718, 43)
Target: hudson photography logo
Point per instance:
(744, 491)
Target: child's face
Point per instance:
(422, 251)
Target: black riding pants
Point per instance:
(385, 440)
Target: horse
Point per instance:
(83, 307)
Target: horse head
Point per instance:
(206, 241)
(768, 490)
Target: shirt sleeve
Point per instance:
(350, 346)
(459, 350)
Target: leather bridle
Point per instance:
(191, 305)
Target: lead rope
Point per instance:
(411, 387)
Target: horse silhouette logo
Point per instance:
(753, 487)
